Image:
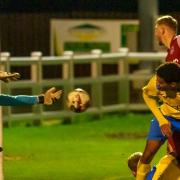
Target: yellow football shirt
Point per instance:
(169, 106)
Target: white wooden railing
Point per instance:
(126, 82)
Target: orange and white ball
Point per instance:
(78, 100)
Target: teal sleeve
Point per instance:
(8, 100)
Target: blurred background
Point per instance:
(106, 47)
(69, 28)
(26, 25)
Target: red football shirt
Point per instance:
(174, 50)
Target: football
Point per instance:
(78, 100)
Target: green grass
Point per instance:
(85, 150)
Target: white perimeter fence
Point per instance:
(113, 80)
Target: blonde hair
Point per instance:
(169, 21)
(133, 160)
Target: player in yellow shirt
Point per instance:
(164, 89)
(172, 171)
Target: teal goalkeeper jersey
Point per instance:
(8, 100)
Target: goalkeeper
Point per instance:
(164, 87)
(48, 98)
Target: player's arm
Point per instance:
(163, 122)
(48, 98)
(150, 98)
(8, 100)
(7, 77)
(152, 104)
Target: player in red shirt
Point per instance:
(166, 34)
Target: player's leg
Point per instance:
(152, 146)
(154, 141)
(175, 125)
(167, 168)
(144, 166)
(176, 140)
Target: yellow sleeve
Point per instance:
(150, 88)
(142, 170)
(150, 95)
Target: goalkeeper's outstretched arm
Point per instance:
(48, 98)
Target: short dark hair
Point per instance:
(168, 21)
(170, 72)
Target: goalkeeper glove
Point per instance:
(50, 96)
(7, 77)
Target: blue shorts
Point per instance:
(155, 130)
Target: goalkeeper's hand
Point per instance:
(51, 96)
(7, 77)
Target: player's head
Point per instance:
(133, 160)
(168, 76)
(165, 26)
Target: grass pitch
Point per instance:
(88, 149)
